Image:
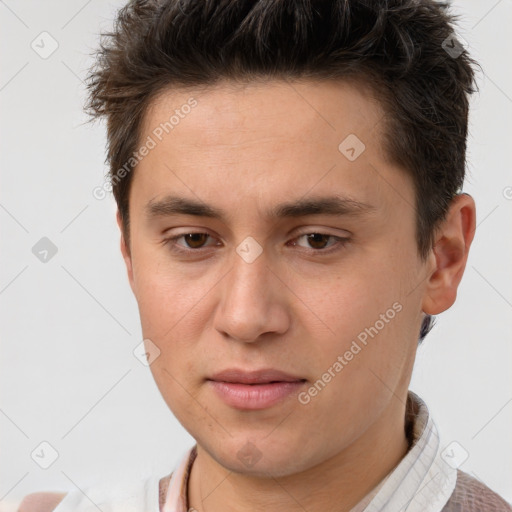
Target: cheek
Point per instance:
(346, 300)
(173, 314)
(167, 296)
(364, 315)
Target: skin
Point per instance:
(244, 150)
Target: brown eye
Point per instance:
(195, 240)
(318, 240)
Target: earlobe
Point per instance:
(451, 250)
(125, 252)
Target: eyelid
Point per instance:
(323, 231)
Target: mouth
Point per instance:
(264, 376)
(253, 390)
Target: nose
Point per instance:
(253, 301)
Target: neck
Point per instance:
(338, 483)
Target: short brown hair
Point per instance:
(400, 48)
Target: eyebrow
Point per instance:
(325, 205)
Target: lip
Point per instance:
(254, 390)
(263, 376)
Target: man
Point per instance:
(288, 178)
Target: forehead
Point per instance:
(264, 139)
(230, 112)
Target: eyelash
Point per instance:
(339, 245)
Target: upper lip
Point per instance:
(263, 376)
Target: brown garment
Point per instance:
(471, 495)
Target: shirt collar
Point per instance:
(421, 482)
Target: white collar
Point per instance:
(422, 481)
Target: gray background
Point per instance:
(69, 326)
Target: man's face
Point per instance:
(339, 311)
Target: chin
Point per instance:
(261, 457)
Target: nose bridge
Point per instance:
(248, 282)
(249, 306)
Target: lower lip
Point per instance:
(254, 396)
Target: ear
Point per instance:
(450, 253)
(125, 251)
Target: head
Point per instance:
(288, 179)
